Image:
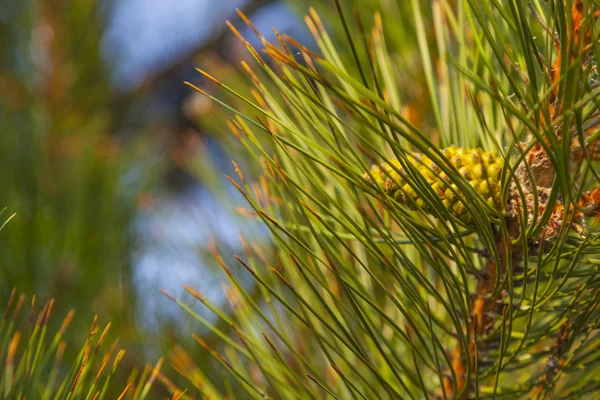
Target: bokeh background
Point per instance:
(115, 169)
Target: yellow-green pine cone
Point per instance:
(481, 169)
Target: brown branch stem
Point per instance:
(485, 311)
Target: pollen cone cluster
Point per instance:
(481, 169)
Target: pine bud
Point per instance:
(482, 169)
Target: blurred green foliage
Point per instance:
(64, 171)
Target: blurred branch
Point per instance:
(214, 44)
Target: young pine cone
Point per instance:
(481, 169)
